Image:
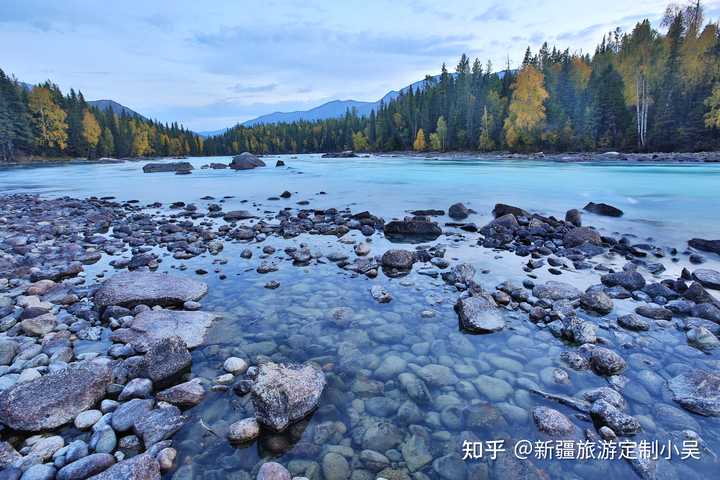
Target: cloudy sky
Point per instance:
(214, 63)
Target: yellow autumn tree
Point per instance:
(712, 117)
(360, 142)
(90, 131)
(419, 144)
(48, 118)
(526, 114)
(140, 139)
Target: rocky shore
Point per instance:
(96, 374)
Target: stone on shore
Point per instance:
(705, 245)
(86, 466)
(413, 227)
(500, 210)
(603, 209)
(158, 425)
(246, 161)
(129, 289)
(698, 391)
(285, 393)
(166, 358)
(581, 235)
(54, 399)
(167, 167)
(554, 291)
(184, 395)
(399, 259)
(151, 326)
(629, 280)
(479, 315)
(140, 467)
(707, 278)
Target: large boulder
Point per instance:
(55, 399)
(501, 210)
(705, 245)
(629, 280)
(166, 359)
(246, 161)
(707, 278)
(139, 467)
(458, 211)
(698, 391)
(479, 314)
(413, 227)
(554, 291)
(399, 259)
(183, 167)
(151, 326)
(285, 393)
(129, 289)
(580, 235)
(603, 209)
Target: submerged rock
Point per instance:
(129, 289)
(54, 399)
(698, 391)
(552, 422)
(606, 414)
(479, 315)
(151, 326)
(285, 393)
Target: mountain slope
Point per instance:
(115, 107)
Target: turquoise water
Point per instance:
(669, 202)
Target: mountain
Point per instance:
(115, 107)
(332, 109)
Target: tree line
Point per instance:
(41, 121)
(644, 90)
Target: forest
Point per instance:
(646, 90)
(41, 122)
(640, 91)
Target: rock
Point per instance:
(136, 388)
(103, 439)
(603, 209)
(458, 211)
(414, 227)
(245, 430)
(596, 301)
(479, 315)
(285, 393)
(335, 467)
(605, 393)
(656, 313)
(184, 395)
(166, 359)
(374, 461)
(158, 425)
(604, 413)
(246, 161)
(399, 259)
(633, 322)
(46, 447)
(234, 216)
(416, 452)
(707, 278)
(554, 291)
(166, 458)
(167, 167)
(8, 349)
(629, 280)
(140, 467)
(702, 339)
(606, 362)
(552, 422)
(87, 419)
(124, 417)
(279, 163)
(501, 210)
(8, 455)
(379, 293)
(54, 399)
(39, 472)
(129, 289)
(86, 467)
(40, 325)
(581, 235)
(151, 326)
(235, 365)
(381, 436)
(574, 217)
(273, 471)
(697, 391)
(705, 245)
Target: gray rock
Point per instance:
(335, 467)
(167, 167)
(606, 362)
(184, 395)
(159, 424)
(554, 291)
(244, 430)
(697, 391)
(380, 295)
(416, 452)
(458, 211)
(381, 436)
(76, 450)
(603, 413)
(136, 388)
(273, 471)
(702, 339)
(416, 227)
(574, 217)
(705, 245)
(87, 419)
(54, 399)
(596, 301)
(552, 422)
(140, 467)
(128, 289)
(707, 278)
(581, 235)
(166, 359)
(246, 161)
(629, 280)
(86, 467)
(656, 313)
(151, 326)
(125, 416)
(479, 314)
(8, 349)
(39, 472)
(399, 259)
(103, 440)
(8, 455)
(603, 209)
(285, 393)
(633, 322)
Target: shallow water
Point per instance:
(484, 393)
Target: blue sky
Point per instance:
(212, 64)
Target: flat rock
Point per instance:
(705, 245)
(184, 395)
(707, 278)
(556, 291)
(285, 393)
(479, 314)
(166, 358)
(86, 466)
(129, 289)
(552, 422)
(158, 425)
(167, 167)
(151, 326)
(698, 391)
(55, 399)
(140, 467)
(416, 227)
(603, 209)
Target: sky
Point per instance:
(211, 64)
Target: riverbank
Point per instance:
(111, 367)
